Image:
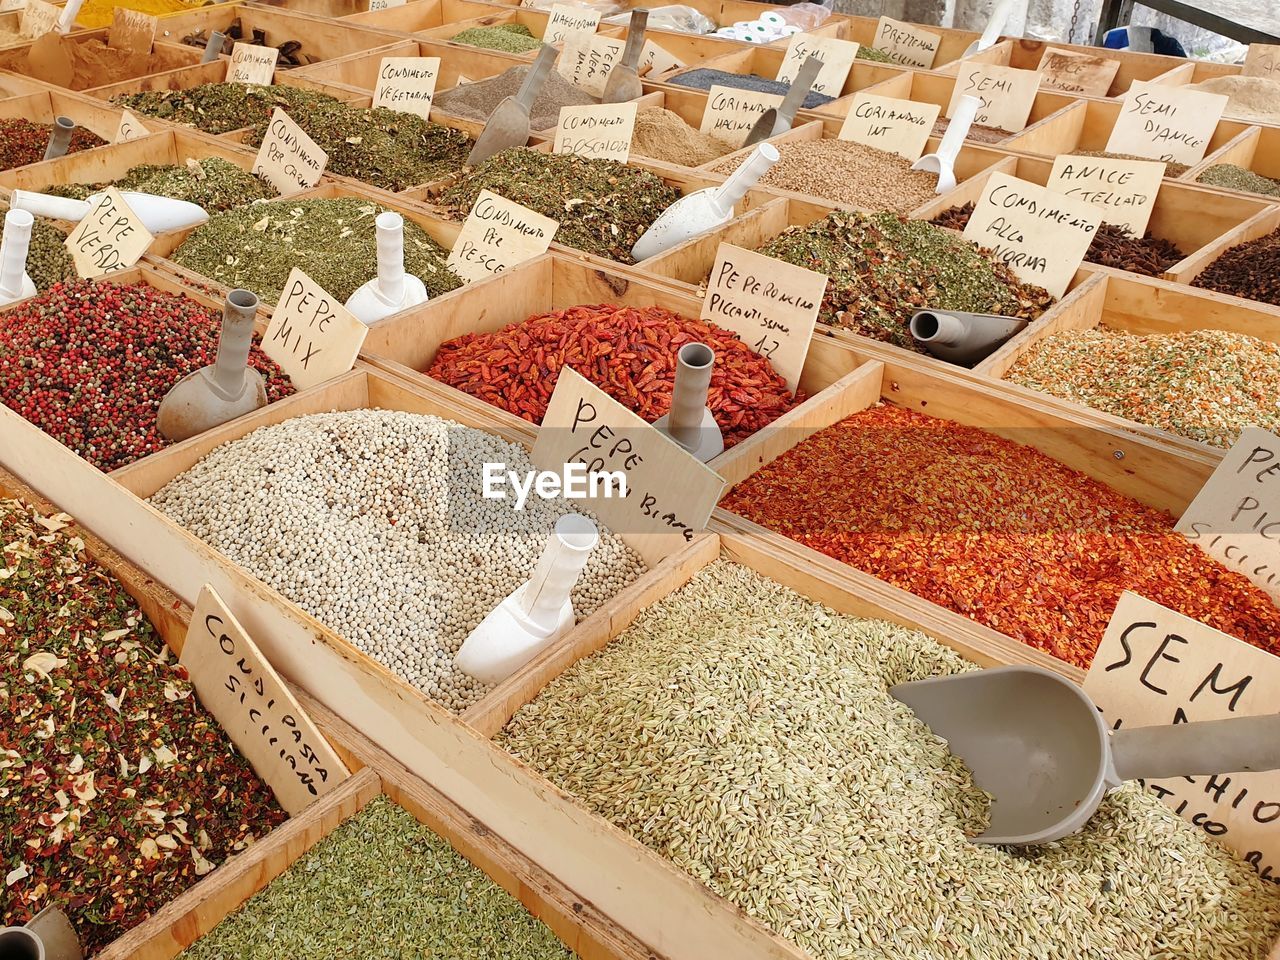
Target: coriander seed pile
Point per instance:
(374, 522)
(748, 735)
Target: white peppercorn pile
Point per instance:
(374, 522)
(747, 734)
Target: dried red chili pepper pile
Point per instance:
(994, 530)
(117, 790)
(23, 142)
(89, 363)
(628, 352)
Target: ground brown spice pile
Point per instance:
(662, 135)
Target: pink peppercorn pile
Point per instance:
(628, 352)
(89, 363)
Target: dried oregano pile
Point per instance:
(883, 268)
(1238, 178)
(603, 206)
(117, 790)
(212, 182)
(747, 734)
(374, 522)
(220, 107)
(334, 241)
(381, 887)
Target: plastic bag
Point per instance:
(674, 16)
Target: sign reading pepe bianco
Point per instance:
(1125, 190)
(407, 84)
(1166, 123)
(837, 58)
(770, 304)
(498, 234)
(600, 130)
(905, 43)
(1156, 667)
(312, 335)
(1006, 94)
(109, 238)
(895, 126)
(288, 158)
(731, 113)
(1040, 234)
(670, 493)
(1235, 518)
(259, 713)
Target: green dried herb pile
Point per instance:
(212, 182)
(220, 107)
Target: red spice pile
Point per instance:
(628, 352)
(23, 142)
(117, 790)
(994, 530)
(89, 363)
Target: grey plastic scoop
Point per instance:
(624, 79)
(225, 389)
(213, 48)
(508, 125)
(779, 119)
(60, 138)
(47, 936)
(963, 338)
(1039, 746)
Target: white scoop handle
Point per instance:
(158, 214)
(390, 227)
(566, 553)
(995, 24)
(13, 253)
(68, 18)
(726, 196)
(958, 129)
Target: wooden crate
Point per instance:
(166, 58)
(416, 15)
(358, 73)
(1257, 149)
(407, 344)
(535, 20)
(1141, 306)
(1025, 54)
(1188, 216)
(47, 105)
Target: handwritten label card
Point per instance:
(566, 19)
(109, 238)
(407, 84)
(10, 6)
(38, 18)
(1235, 518)
(1125, 190)
(837, 58)
(1006, 94)
(1040, 234)
(251, 63)
(1166, 123)
(655, 60)
(731, 113)
(599, 130)
(312, 335)
(288, 158)
(905, 43)
(770, 304)
(1156, 667)
(587, 59)
(1262, 60)
(1080, 73)
(895, 126)
(132, 31)
(130, 128)
(260, 714)
(670, 493)
(498, 234)
(385, 4)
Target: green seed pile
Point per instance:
(507, 37)
(1206, 385)
(48, 261)
(213, 183)
(220, 107)
(1231, 177)
(386, 887)
(883, 268)
(334, 241)
(747, 734)
(386, 148)
(875, 56)
(603, 206)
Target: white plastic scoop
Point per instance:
(67, 19)
(690, 422)
(779, 119)
(158, 214)
(392, 290)
(537, 613)
(943, 163)
(15, 284)
(225, 389)
(995, 24)
(624, 79)
(1039, 746)
(706, 209)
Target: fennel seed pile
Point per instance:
(747, 734)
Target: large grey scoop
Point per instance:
(508, 125)
(1039, 746)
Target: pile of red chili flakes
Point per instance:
(628, 352)
(117, 790)
(994, 530)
